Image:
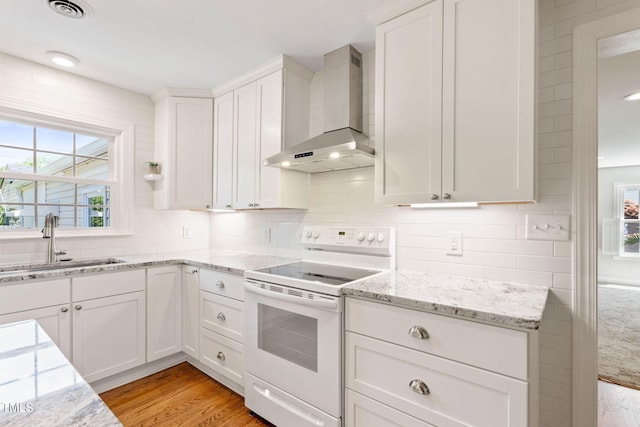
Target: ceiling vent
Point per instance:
(76, 9)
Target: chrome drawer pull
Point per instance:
(419, 332)
(220, 356)
(220, 284)
(419, 387)
(221, 316)
(64, 309)
(78, 307)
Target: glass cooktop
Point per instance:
(320, 273)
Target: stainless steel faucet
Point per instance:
(48, 232)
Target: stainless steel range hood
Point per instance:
(342, 145)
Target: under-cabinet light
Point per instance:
(334, 155)
(222, 210)
(444, 205)
(285, 164)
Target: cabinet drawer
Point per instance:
(222, 315)
(222, 355)
(489, 347)
(223, 284)
(107, 284)
(455, 394)
(29, 295)
(360, 411)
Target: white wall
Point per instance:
(613, 267)
(154, 231)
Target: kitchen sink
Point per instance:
(21, 269)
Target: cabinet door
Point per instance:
(164, 311)
(191, 311)
(109, 335)
(55, 320)
(488, 100)
(408, 106)
(269, 138)
(223, 152)
(245, 153)
(191, 137)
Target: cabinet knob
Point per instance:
(220, 356)
(446, 196)
(419, 387)
(194, 271)
(434, 197)
(255, 205)
(78, 307)
(250, 205)
(64, 309)
(419, 332)
(228, 206)
(208, 206)
(221, 316)
(220, 284)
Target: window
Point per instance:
(51, 170)
(628, 205)
(76, 166)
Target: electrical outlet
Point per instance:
(267, 234)
(186, 232)
(547, 227)
(454, 242)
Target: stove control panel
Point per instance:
(364, 239)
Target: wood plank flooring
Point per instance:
(178, 396)
(618, 406)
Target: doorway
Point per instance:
(585, 136)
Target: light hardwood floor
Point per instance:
(618, 406)
(178, 396)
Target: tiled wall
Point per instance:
(155, 231)
(494, 245)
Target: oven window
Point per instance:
(290, 336)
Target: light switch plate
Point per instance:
(548, 227)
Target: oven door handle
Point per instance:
(325, 304)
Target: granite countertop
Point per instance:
(233, 262)
(38, 385)
(507, 304)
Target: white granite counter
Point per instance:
(38, 385)
(501, 303)
(232, 262)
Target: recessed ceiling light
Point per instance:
(632, 97)
(62, 59)
(75, 9)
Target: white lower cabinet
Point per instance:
(109, 328)
(191, 311)
(45, 301)
(221, 324)
(164, 312)
(360, 410)
(422, 375)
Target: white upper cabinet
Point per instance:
(455, 103)
(223, 152)
(256, 116)
(183, 147)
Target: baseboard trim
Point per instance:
(117, 380)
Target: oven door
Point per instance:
(293, 341)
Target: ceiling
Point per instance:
(144, 45)
(619, 120)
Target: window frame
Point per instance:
(621, 220)
(120, 170)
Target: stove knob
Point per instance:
(371, 237)
(380, 237)
(315, 235)
(360, 236)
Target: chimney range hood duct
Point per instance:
(342, 145)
